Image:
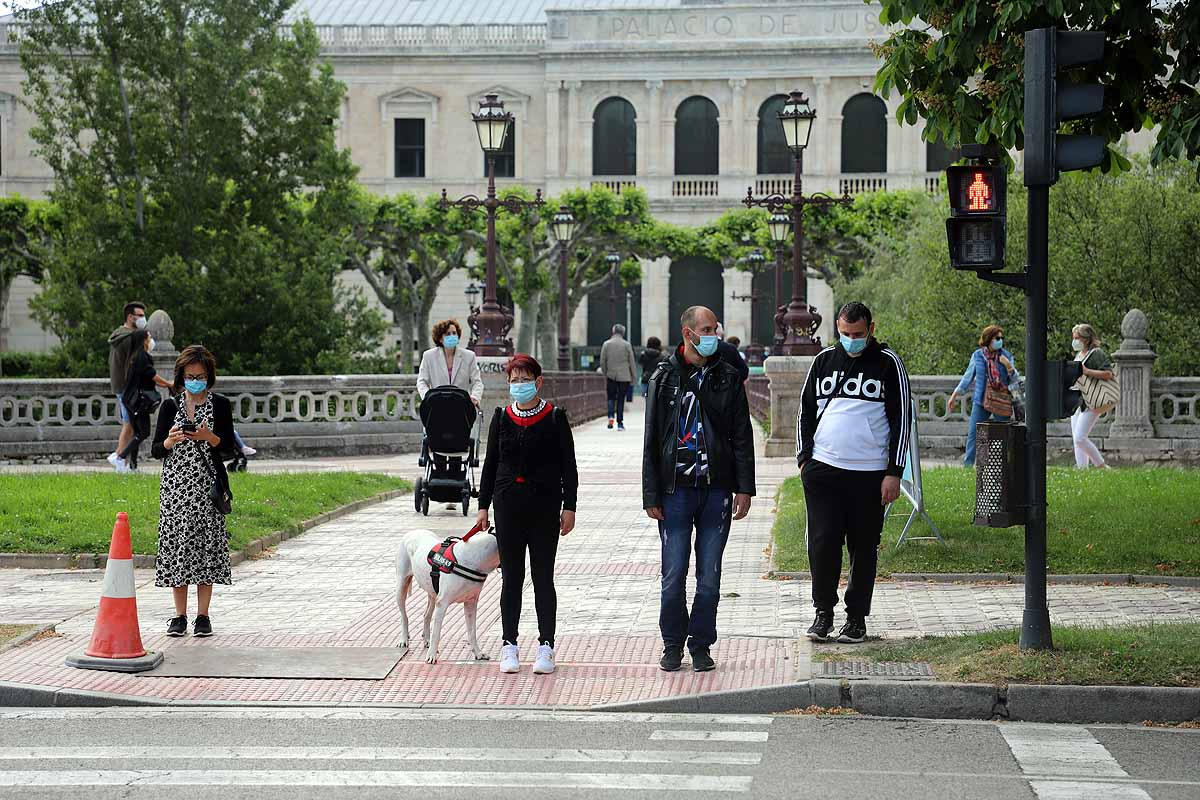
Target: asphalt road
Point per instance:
(235, 753)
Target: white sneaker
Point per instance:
(509, 659)
(123, 467)
(248, 451)
(115, 460)
(544, 664)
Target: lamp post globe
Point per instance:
(491, 124)
(563, 224)
(797, 117)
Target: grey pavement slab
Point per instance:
(348, 663)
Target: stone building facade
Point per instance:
(675, 97)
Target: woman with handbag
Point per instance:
(1100, 391)
(988, 377)
(194, 433)
(140, 397)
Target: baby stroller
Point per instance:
(450, 450)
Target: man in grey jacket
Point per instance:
(617, 365)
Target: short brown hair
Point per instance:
(133, 306)
(524, 362)
(440, 329)
(989, 333)
(195, 354)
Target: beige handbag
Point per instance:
(1100, 394)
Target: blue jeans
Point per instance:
(710, 512)
(978, 414)
(122, 412)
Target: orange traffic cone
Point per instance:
(117, 639)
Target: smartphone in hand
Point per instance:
(188, 427)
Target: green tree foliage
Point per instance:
(961, 68)
(1124, 240)
(195, 169)
(26, 231)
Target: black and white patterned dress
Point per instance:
(193, 544)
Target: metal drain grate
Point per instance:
(898, 670)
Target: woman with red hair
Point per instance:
(530, 472)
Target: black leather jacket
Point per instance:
(725, 413)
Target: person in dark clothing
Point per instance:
(729, 353)
(530, 472)
(852, 434)
(697, 473)
(138, 396)
(649, 359)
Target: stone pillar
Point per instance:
(649, 156)
(787, 374)
(656, 298)
(1135, 362)
(162, 331)
(738, 316)
(733, 141)
(495, 390)
(575, 166)
(822, 162)
(553, 129)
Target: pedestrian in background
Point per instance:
(120, 348)
(852, 434)
(617, 366)
(1097, 366)
(193, 435)
(449, 363)
(728, 352)
(140, 397)
(697, 474)
(530, 473)
(648, 360)
(988, 377)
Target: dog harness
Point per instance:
(441, 559)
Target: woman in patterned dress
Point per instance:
(193, 545)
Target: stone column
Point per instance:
(735, 130)
(738, 317)
(656, 290)
(162, 331)
(495, 391)
(575, 166)
(787, 374)
(1135, 362)
(553, 125)
(649, 152)
(824, 131)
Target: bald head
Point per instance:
(700, 320)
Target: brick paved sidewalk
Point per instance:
(335, 586)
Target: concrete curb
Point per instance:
(937, 700)
(144, 561)
(1099, 579)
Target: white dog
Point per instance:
(480, 554)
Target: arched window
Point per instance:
(697, 137)
(614, 138)
(938, 156)
(774, 156)
(864, 134)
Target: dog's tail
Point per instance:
(405, 570)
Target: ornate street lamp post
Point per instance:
(799, 321)
(614, 265)
(491, 323)
(563, 225)
(780, 225)
(754, 350)
(472, 291)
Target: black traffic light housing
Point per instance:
(975, 231)
(1049, 101)
(1062, 399)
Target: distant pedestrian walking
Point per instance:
(648, 360)
(851, 440)
(530, 474)
(194, 433)
(140, 396)
(989, 375)
(728, 352)
(120, 348)
(1099, 382)
(617, 364)
(697, 474)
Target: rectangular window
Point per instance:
(506, 159)
(410, 148)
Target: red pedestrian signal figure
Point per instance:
(979, 194)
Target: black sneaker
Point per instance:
(702, 661)
(854, 631)
(822, 626)
(202, 626)
(672, 658)
(177, 626)
(620, 426)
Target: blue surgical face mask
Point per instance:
(523, 392)
(450, 341)
(195, 387)
(853, 345)
(707, 346)
(997, 344)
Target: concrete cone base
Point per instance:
(139, 664)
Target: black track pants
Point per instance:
(525, 522)
(843, 507)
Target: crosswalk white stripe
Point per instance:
(1081, 790)
(1057, 753)
(543, 780)
(421, 714)
(708, 736)
(581, 755)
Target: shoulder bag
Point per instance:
(218, 493)
(1100, 394)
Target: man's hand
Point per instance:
(655, 512)
(566, 523)
(741, 505)
(890, 489)
(481, 519)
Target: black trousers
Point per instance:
(617, 390)
(843, 507)
(526, 522)
(141, 429)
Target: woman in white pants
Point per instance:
(1096, 364)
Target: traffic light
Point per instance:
(1049, 101)
(976, 227)
(1062, 399)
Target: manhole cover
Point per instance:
(899, 670)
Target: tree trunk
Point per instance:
(405, 319)
(547, 332)
(528, 327)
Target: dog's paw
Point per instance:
(482, 657)
(403, 643)
(431, 658)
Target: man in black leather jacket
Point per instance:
(697, 472)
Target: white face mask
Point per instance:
(139, 322)
(1077, 345)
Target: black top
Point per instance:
(649, 360)
(540, 455)
(730, 355)
(222, 427)
(138, 377)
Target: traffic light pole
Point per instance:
(1035, 621)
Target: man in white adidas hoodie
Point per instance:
(851, 441)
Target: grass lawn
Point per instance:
(10, 632)
(1139, 520)
(74, 513)
(1135, 655)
